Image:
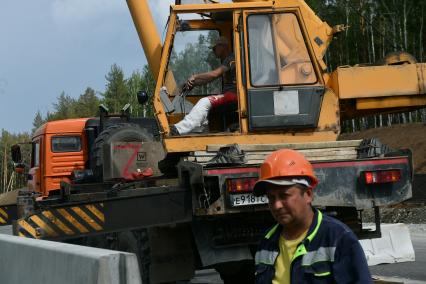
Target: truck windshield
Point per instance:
(191, 54)
(277, 51)
(66, 144)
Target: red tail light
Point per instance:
(240, 185)
(386, 176)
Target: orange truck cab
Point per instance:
(58, 148)
(62, 149)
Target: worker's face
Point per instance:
(289, 205)
(219, 51)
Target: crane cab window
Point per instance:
(62, 144)
(283, 90)
(191, 54)
(277, 51)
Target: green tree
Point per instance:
(87, 104)
(195, 58)
(38, 121)
(8, 179)
(64, 108)
(116, 93)
(141, 82)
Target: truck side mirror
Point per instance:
(18, 165)
(16, 154)
(142, 97)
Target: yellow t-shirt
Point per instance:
(282, 264)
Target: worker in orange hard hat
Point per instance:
(304, 246)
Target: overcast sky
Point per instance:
(50, 46)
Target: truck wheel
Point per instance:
(136, 242)
(236, 272)
(122, 132)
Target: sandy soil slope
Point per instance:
(398, 136)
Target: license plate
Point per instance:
(247, 199)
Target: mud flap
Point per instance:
(211, 255)
(171, 254)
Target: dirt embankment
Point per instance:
(399, 136)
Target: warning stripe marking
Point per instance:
(64, 228)
(24, 233)
(96, 212)
(4, 213)
(72, 220)
(43, 225)
(56, 222)
(2, 221)
(27, 227)
(86, 218)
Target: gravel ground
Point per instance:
(414, 215)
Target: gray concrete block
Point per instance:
(25, 260)
(7, 230)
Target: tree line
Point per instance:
(118, 92)
(374, 29)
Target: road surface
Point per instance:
(407, 272)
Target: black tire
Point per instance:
(122, 132)
(237, 272)
(136, 242)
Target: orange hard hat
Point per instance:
(285, 167)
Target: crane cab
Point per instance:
(279, 82)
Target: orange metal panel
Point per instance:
(147, 32)
(62, 126)
(329, 119)
(199, 142)
(164, 77)
(421, 71)
(58, 166)
(378, 81)
(193, 8)
(391, 102)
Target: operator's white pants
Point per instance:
(196, 117)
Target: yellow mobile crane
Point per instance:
(279, 50)
(136, 186)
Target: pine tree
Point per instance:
(116, 94)
(87, 104)
(38, 121)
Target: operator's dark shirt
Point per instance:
(229, 77)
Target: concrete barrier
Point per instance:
(25, 260)
(394, 246)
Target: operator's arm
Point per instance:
(204, 78)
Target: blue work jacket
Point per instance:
(330, 253)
